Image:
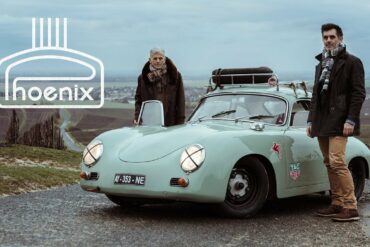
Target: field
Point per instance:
(87, 123)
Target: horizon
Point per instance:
(131, 76)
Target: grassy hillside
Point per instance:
(25, 168)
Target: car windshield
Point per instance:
(242, 107)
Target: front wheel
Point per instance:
(357, 169)
(247, 189)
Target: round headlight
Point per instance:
(192, 157)
(92, 152)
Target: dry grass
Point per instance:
(24, 168)
(38, 154)
(15, 180)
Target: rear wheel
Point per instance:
(247, 189)
(357, 168)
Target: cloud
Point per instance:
(198, 35)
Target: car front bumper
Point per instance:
(207, 184)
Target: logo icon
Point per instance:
(29, 82)
(295, 171)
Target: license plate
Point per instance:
(129, 179)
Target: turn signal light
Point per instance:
(183, 182)
(84, 175)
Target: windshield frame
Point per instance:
(236, 119)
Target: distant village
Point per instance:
(127, 94)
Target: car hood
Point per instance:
(144, 144)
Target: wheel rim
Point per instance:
(242, 187)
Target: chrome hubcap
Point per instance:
(238, 185)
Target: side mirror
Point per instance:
(151, 113)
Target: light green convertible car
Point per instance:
(245, 143)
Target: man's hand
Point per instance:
(348, 129)
(308, 131)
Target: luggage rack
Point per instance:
(242, 76)
(221, 77)
(252, 76)
(294, 86)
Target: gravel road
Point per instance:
(68, 216)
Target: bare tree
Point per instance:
(45, 134)
(12, 133)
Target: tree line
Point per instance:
(45, 134)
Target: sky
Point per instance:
(198, 35)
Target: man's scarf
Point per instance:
(156, 74)
(327, 63)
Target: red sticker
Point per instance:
(276, 148)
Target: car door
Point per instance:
(304, 162)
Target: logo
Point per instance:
(295, 171)
(29, 80)
(276, 148)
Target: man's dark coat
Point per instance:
(343, 99)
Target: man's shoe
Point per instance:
(330, 211)
(347, 214)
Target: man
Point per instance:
(337, 97)
(160, 80)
